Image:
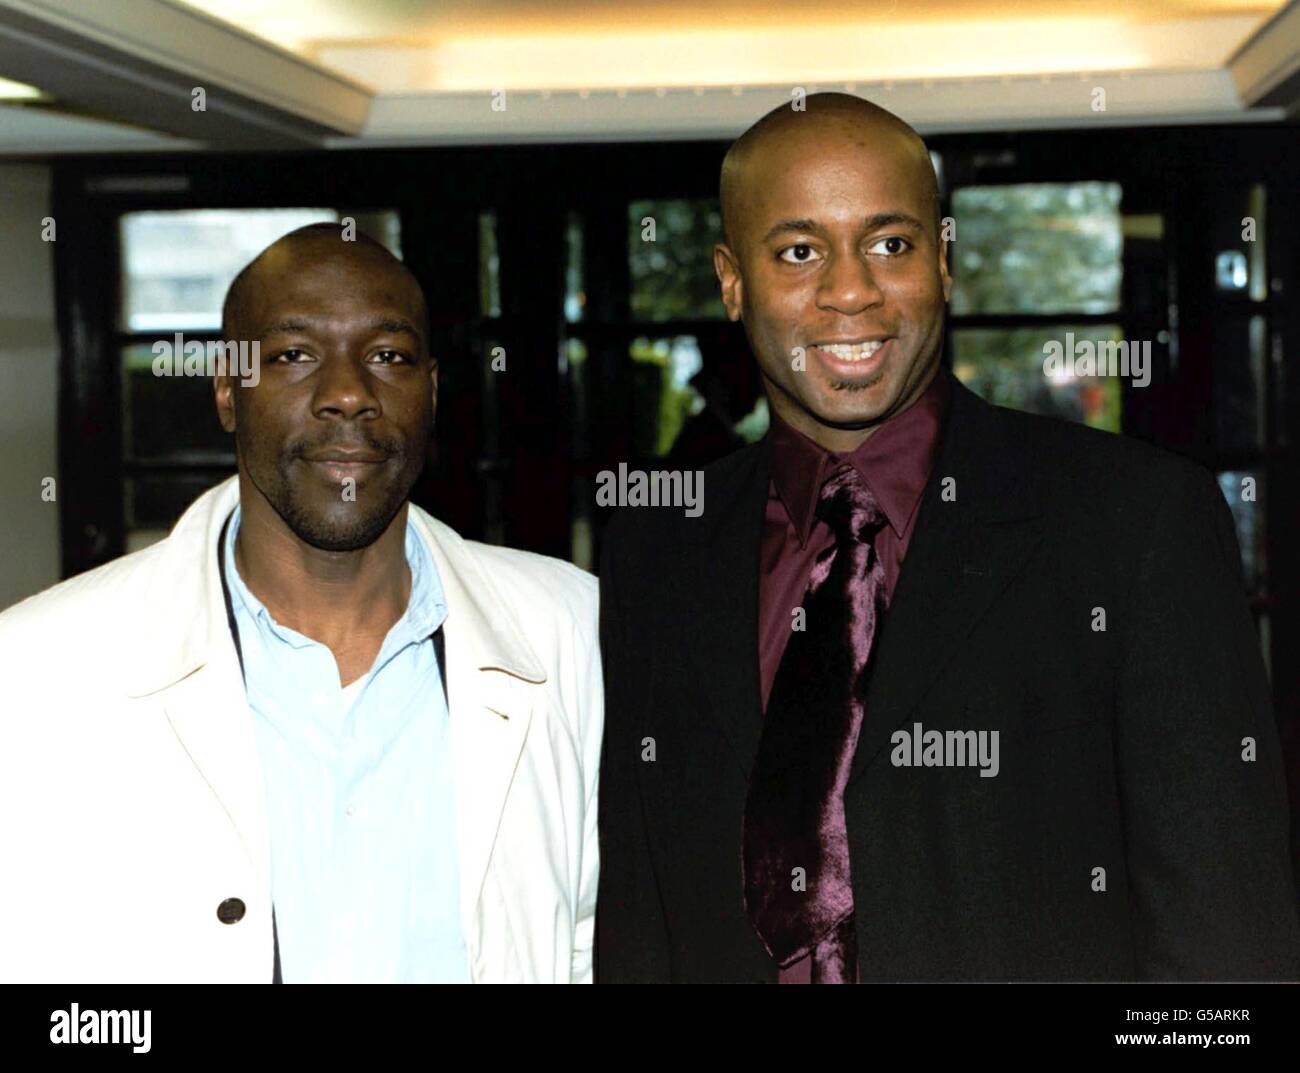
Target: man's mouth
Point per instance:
(338, 463)
(343, 458)
(857, 350)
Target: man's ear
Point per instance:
(944, 275)
(727, 267)
(433, 383)
(223, 388)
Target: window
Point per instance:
(670, 258)
(1037, 270)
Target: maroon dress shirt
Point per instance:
(895, 462)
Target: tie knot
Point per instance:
(848, 507)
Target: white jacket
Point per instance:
(131, 795)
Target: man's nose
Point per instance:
(849, 285)
(344, 389)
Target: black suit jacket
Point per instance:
(1120, 749)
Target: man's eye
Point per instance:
(390, 357)
(292, 356)
(798, 254)
(902, 244)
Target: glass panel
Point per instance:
(576, 369)
(1007, 366)
(155, 501)
(177, 265)
(670, 258)
(662, 396)
(1239, 403)
(1037, 248)
(490, 469)
(489, 266)
(583, 491)
(1244, 491)
(575, 295)
(1238, 237)
(169, 417)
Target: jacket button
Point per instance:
(231, 911)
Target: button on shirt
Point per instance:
(359, 793)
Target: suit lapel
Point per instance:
(721, 575)
(964, 553)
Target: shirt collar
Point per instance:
(894, 461)
(426, 608)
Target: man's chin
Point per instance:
(852, 407)
(339, 527)
(338, 540)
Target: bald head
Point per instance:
(829, 123)
(313, 244)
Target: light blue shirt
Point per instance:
(359, 793)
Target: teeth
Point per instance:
(846, 352)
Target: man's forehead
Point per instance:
(323, 258)
(292, 305)
(839, 187)
(835, 141)
(831, 167)
(350, 279)
(291, 317)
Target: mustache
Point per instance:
(356, 443)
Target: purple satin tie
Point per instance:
(798, 886)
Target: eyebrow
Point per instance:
(392, 325)
(870, 223)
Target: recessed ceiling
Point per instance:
(411, 46)
(281, 74)
(301, 25)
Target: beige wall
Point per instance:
(29, 365)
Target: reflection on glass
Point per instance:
(1037, 248)
(177, 265)
(575, 363)
(754, 425)
(662, 396)
(489, 266)
(575, 297)
(670, 258)
(1006, 366)
(1243, 489)
(582, 494)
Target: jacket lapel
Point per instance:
(492, 675)
(186, 659)
(964, 553)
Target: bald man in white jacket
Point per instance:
(139, 792)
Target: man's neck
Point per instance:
(346, 600)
